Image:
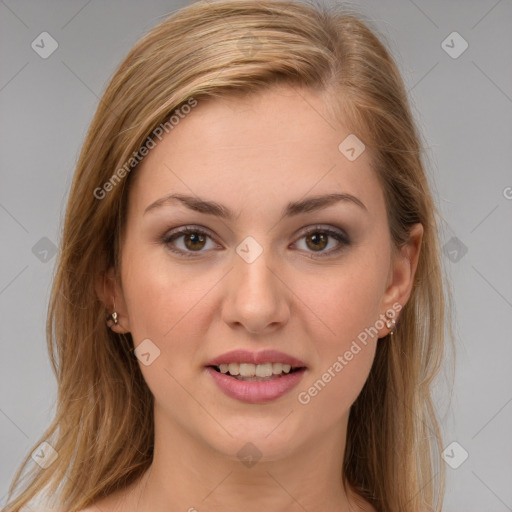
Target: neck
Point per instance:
(186, 474)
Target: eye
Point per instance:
(194, 240)
(317, 239)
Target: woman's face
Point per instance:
(283, 272)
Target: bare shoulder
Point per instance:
(96, 508)
(121, 500)
(109, 504)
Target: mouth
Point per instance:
(253, 388)
(249, 372)
(255, 377)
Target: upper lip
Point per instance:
(264, 356)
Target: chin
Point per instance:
(265, 439)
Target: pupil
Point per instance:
(318, 238)
(195, 236)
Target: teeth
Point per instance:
(277, 368)
(234, 368)
(263, 370)
(252, 370)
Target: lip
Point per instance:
(264, 356)
(255, 392)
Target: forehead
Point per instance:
(281, 142)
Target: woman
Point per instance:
(249, 305)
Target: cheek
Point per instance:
(159, 300)
(152, 303)
(166, 308)
(344, 359)
(329, 394)
(345, 300)
(345, 338)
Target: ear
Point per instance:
(111, 294)
(401, 275)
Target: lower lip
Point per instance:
(256, 392)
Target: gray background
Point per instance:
(463, 105)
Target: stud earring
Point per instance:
(112, 319)
(390, 322)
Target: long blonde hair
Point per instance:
(214, 49)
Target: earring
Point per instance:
(390, 323)
(112, 319)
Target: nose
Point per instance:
(257, 298)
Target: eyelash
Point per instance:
(339, 236)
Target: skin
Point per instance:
(253, 155)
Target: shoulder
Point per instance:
(121, 500)
(100, 506)
(104, 505)
(115, 502)
(95, 508)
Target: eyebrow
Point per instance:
(294, 208)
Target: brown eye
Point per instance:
(317, 241)
(194, 241)
(188, 241)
